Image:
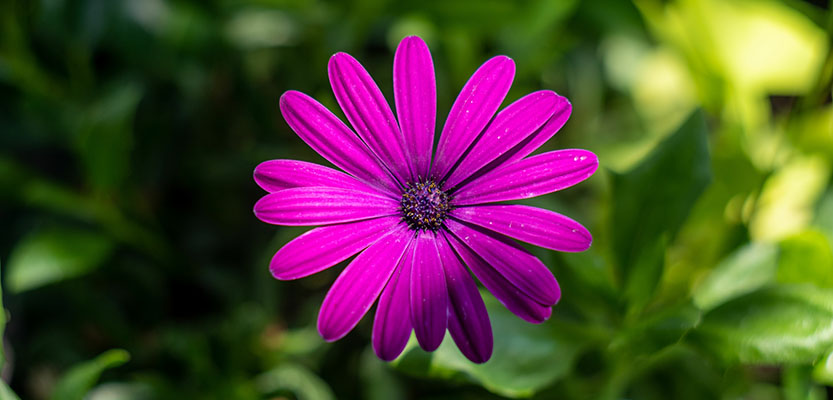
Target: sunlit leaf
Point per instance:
(55, 254)
(747, 269)
(773, 325)
(78, 381)
(806, 257)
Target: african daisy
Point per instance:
(416, 218)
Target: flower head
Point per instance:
(415, 217)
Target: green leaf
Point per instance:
(104, 137)
(806, 257)
(296, 379)
(81, 378)
(55, 254)
(526, 357)
(657, 331)
(747, 269)
(653, 200)
(6, 393)
(786, 324)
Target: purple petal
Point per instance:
(563, 109)
(529, 224)
(468, 321)
(369, 113)
(321, 248)
(508, 294)
(359, 285)
(512, 261)
(530, 177)
(429, 295)
(415, 94)
(305, 206)
(328, 136)
(392, 324)
(474, 107)
(512, 125)
(277, 175)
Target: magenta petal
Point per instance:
(473, 109)
(468, 321)
(277, 175)
(415, 94)
(563, 109)
(392, 324)
(369, 113)
(512, 261)
(305, 206)
(321, 248)
(508, 294)
(359, 285)
(530, 177)
(328, 136)
(512, 125)
(529, 224)
(429, 295)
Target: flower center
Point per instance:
(424, 205)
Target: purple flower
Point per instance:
(417, 221)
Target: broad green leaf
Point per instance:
(6, 393)
(785, 324)
(648, 266)
(295, 379)
(653, 200)
(658, 331)
(78, 381)
(806, 258)
(55, 254)
(526, 357)
(747, 269)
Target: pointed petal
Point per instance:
(277, 175)
(323, 247)
(512, 261)
(359, 285)
(474, 107)
(369, 113)
(392, 324)
(328, 136)
(508, 294)
(429, 295)
(563, 109)
(415, 94)
(468, 321)
(512, 125)
(530, 177)
(529, 224)
(305, 206)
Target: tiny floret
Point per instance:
(424, 205)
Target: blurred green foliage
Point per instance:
(129, 131)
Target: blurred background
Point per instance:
(133, 267)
